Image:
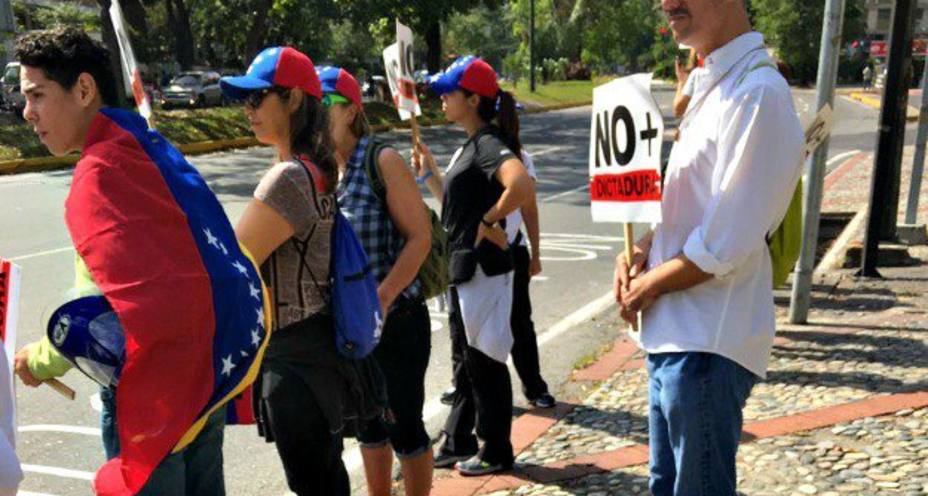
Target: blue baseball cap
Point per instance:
(470, 73)
(276, 66)
(87, 332)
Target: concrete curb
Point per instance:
(40, 164)
(874, 102)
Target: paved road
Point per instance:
(59, 440)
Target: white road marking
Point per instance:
(842, 156)
(67, 429)
(563, 194)
(548, 150)
(30, 493)
(58, 472)
(41, 254)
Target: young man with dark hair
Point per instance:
(152, 238)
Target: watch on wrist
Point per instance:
(488, 224)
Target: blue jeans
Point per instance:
(695, 420)
(195, 471)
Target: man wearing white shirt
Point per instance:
(706, 294)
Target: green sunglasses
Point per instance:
(330, 99)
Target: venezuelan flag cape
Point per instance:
(190, 300)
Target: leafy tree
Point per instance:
(619, 34)
(483, 31)
(794, 27)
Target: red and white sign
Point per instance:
(626, 133)
(406, 80)
(880, 49)
(402, 93)
(10, 278)
(10, 472)
(130, 70)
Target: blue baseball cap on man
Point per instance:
(276, 66)
(468, 73)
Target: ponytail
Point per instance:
(309, 135)
(505, 115)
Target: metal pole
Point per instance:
(891, 134)
(815, 169)
(918, 163)
(531, 45)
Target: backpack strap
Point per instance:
(371, 156)
(760, 65)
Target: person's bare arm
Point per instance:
(261, 230)
(517, 186)
(423, 162)
(404, 203)
(533, 231)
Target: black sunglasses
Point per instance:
(256, 98)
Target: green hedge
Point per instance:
(183, 127)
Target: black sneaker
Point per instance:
(447, 396)
(448, 460)
(475, 466)
(545, 400)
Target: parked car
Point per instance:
(193, 89)
(13, 100)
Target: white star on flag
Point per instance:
(241, 268)
(244, 353)
(261, 317)
(213, 240)
(227, 366)
(222, 247)
(255, 338)
(255, 292)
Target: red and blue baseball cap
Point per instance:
(338, 81)
(276, 66)
(469, 73)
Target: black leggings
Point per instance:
(311, 453)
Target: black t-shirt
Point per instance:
(471, 187)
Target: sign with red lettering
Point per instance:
(402, 92)
(9, 307)
(626, 133)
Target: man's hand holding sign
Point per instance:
(625, 176)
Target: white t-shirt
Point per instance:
(514, 220)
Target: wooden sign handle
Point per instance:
(629, 243)
(61, 389)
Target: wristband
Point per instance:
(423, 179)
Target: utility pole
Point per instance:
(918, 163)
(891, 136)
(829, 55)
(531, 45)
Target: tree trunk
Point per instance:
(257, 34)
(179, 20)
(433, 45)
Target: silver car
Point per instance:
(193, 89)
(13, 100)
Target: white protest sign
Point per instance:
(130, 70)
(391, 61)
(626, 133)
(406, 81)
(10, 279)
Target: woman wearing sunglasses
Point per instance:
(378, 194)
(287, 228)
(485, 182)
